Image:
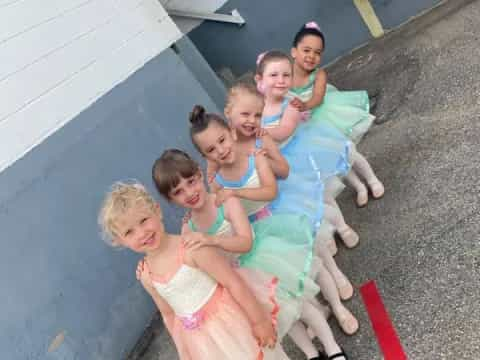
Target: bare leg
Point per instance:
(362, 167)
(331, 293)
(311, 316)
(333, 215)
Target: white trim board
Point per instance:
(53, 69)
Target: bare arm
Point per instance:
(215, 265)
(290, 119)
(241, 239)
(277, 161)
(214, 186)
(319, 89)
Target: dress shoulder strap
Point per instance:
(164, 278)
(242, 181)
(212, 230)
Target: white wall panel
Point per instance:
(54, 70)
(21, 16)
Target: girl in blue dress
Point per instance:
(284, 123)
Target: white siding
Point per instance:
(58, 56)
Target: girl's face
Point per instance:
(140, 228)
(276, 78)
(245, 114)
(308, 52)
(190, 193)
(217, 144)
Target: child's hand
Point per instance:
(260, 152)
(265, 333)
(196, 240)
(212, 169)
(186, 217)
(261, 132)
(298, 104)
(305, 115)
(143, 276)
(222, 195)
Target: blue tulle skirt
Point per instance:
(315, 155)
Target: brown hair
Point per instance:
(200, 120)
(170, 168)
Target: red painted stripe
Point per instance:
(382, 325)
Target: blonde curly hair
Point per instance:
(121, 197)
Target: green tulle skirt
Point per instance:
(348, 111)
(283, 247)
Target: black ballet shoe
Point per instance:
(373, 103)
(338, 355)
(320, 357)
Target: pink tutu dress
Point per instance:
(209, 324)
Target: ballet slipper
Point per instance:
(347, 321)
(345, 288)
(377, 189)
(349, 237)
(362, 199)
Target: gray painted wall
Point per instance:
(273, 23)
(200, 68)
(56, 274)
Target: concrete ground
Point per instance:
(420, 243)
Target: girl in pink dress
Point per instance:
(207, 308)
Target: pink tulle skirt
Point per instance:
(221, 330)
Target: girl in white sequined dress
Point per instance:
(207, 308)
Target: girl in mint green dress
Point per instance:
(348, 111)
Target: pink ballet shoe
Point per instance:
(349, 237)
(347, 322)
(362, 199)
(377, 189)
(345, 289)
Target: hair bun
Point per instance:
(197, 115)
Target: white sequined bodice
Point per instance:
(187, 291)
(250, 206)
(249, 180)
